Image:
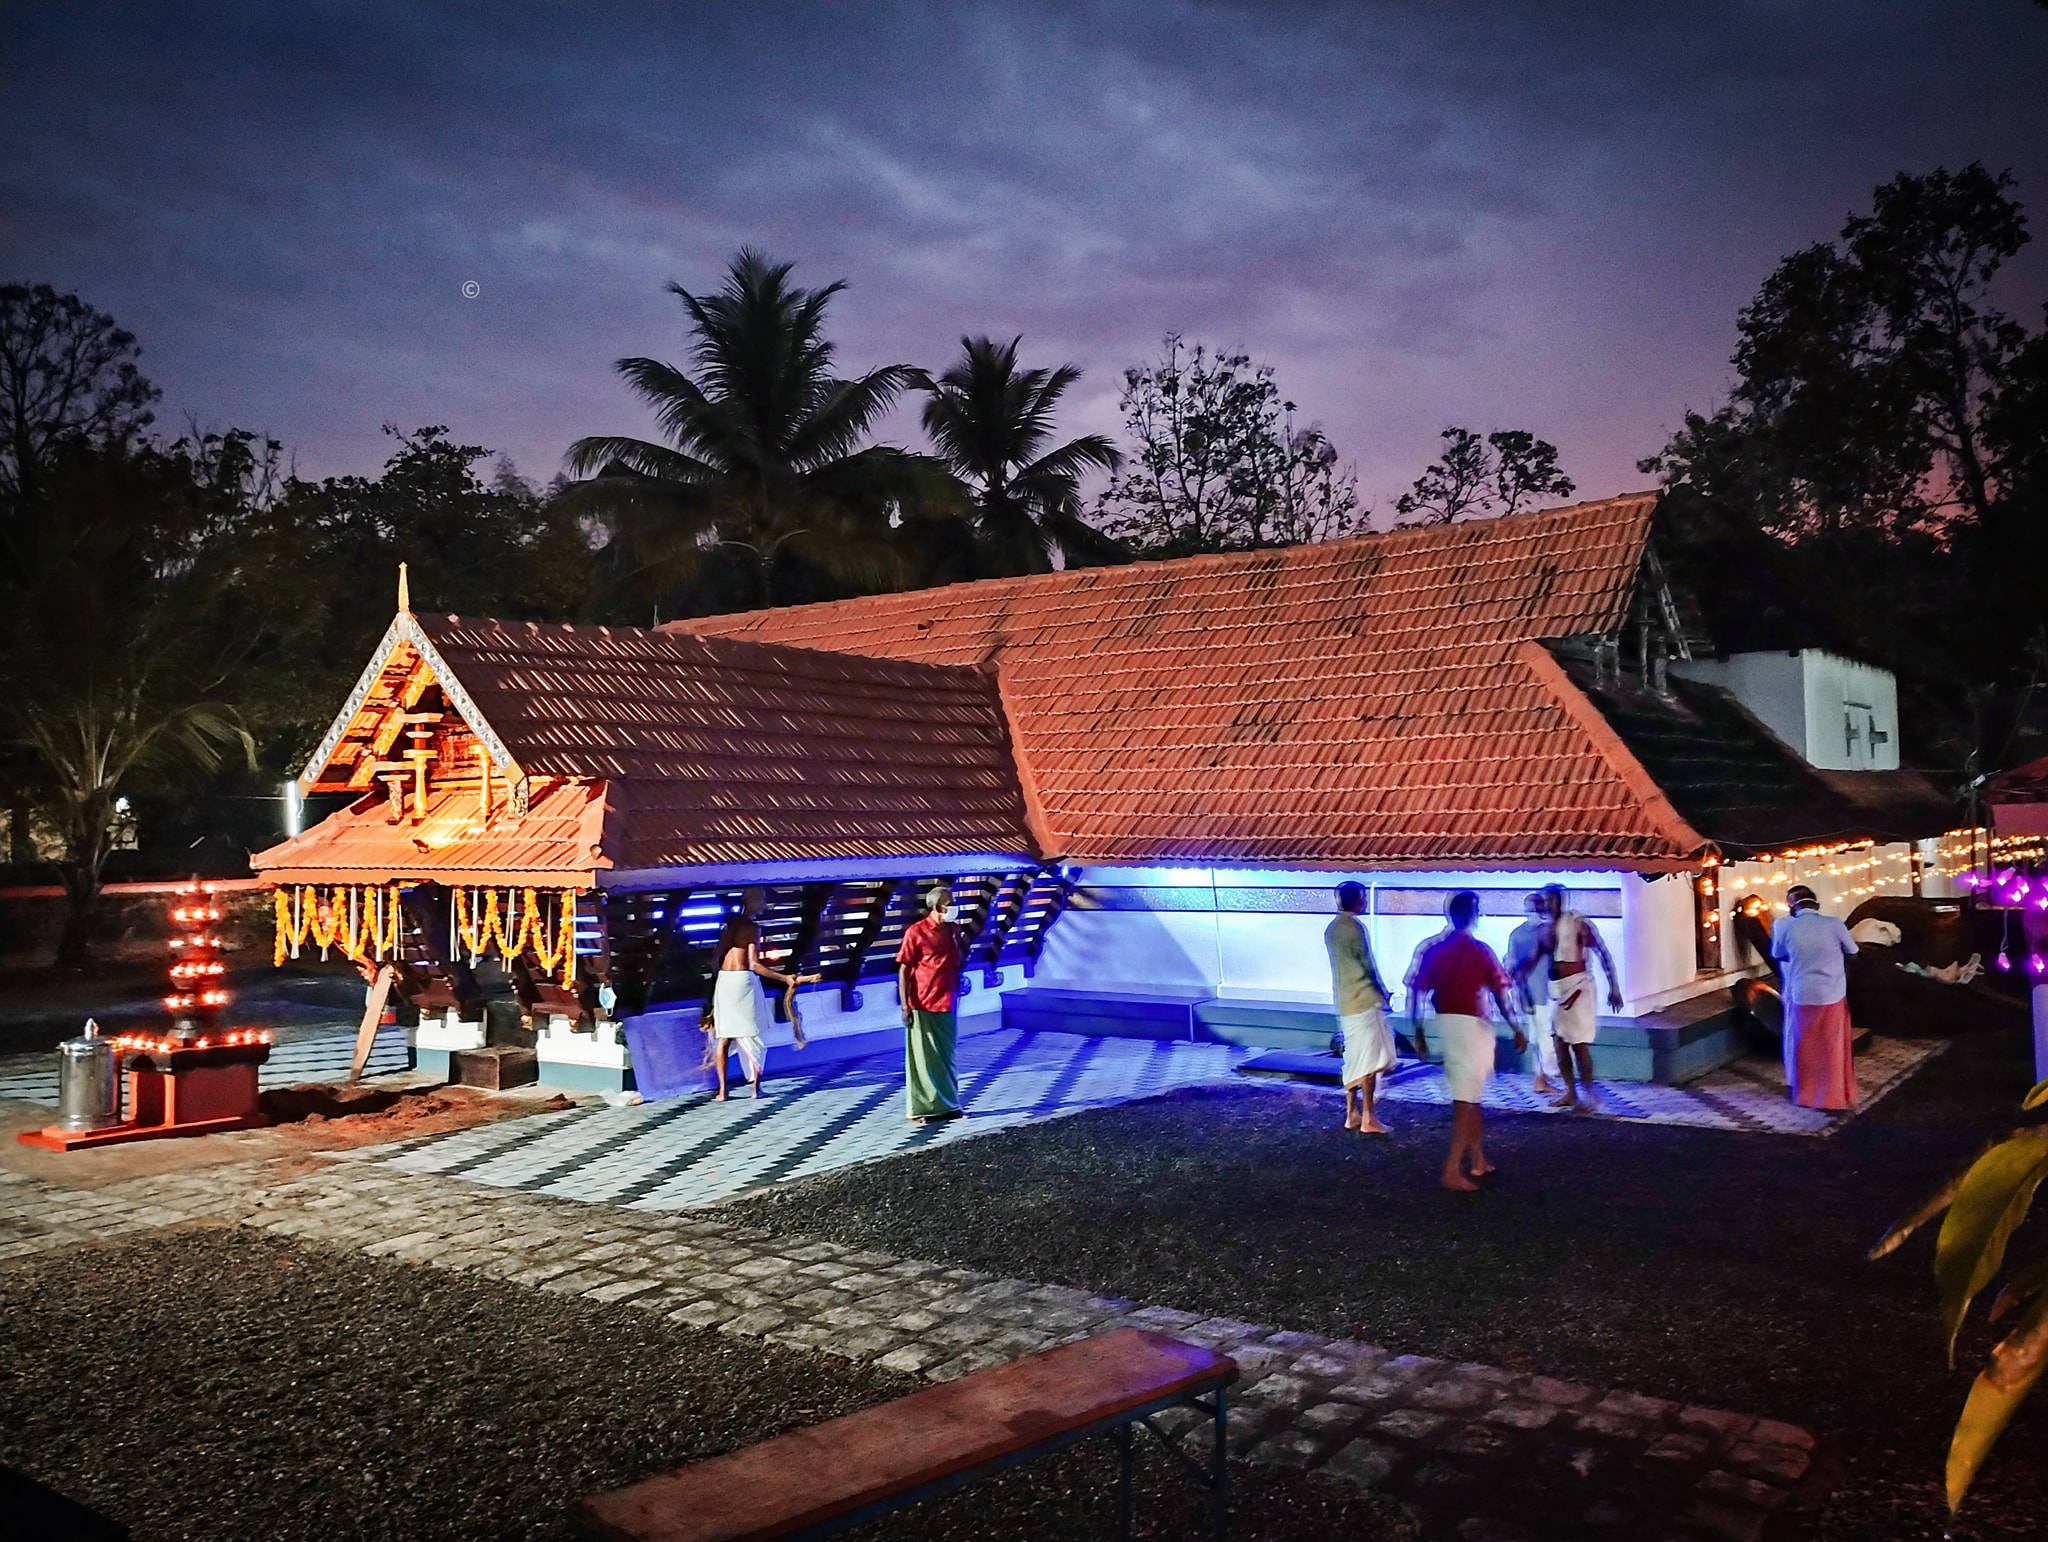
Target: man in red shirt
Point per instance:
(927, 979)
(1457, 972)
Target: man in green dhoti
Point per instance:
(927, 978)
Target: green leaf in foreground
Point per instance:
(2016, 1364)
(1993, 1199)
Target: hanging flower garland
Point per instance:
(364, 923)
(562, 953)
(361, 921)
(518, 925)
(324, 921)
(479, 924)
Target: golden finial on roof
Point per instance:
(404, 593)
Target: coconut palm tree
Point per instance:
(991, 423)
(767, 454)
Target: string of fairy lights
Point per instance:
(2003, 872)
(1852, 869)
(2013, 878)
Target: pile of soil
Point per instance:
(372, 1114)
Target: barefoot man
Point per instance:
(1457, 972)
(1523, 944)
(1573, 1015)
(736, 1001)
(1361, 1010)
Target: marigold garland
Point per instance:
(519, 925)
(364, 922)
(360, 921)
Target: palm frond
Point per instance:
(1083, 545)
(610, 454)
(843, 413)
(1090, 452)
(643, 503)
(684, 412)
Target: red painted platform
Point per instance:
(181, 1086)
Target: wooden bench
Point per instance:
(836, 1475)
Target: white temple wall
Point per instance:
(1657, 949)
(824, 1019)
(1250, 933)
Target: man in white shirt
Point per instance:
(1812, 950)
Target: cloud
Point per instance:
(1495, 214)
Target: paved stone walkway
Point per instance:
(302, 1053)
(1480, 1454)
(1747, 1095)
(691, 1150)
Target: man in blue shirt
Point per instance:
(1811, 950)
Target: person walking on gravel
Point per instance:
(1457, 972)
(1361, 1010)
(928, 964)
(1524, 943)
(1574, 1019)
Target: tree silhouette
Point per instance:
(767, 454)
(992, 424)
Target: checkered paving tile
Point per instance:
(692, 1151)
(1748, 1094)
(295, 1058)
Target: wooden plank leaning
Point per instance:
(373, 1013)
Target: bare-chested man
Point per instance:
(737, 1004)
(1562, 953)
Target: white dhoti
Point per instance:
(1368, 1044)
(1572, 1016)
(1467, 1045)
(1541, 1041)
(738, 1013)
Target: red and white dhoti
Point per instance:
(1820, 1070)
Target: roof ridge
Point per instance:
(1201, 562)
(1658, 811)
(708, 641)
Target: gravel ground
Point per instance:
(1718, 1268)
(227, 1385)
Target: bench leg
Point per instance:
(1123, 1482)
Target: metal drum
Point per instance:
(88, 1082)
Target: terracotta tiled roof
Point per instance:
(1362, 702)
(556, 844)
(694, 751)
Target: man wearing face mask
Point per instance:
(927, 979)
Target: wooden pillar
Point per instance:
(1004, 910)
(1062, 891)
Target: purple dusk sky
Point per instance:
(1539, 216)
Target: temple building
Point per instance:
(1142, 781)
